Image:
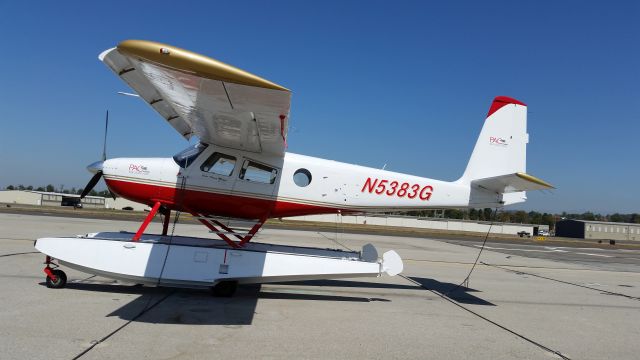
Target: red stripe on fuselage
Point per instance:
(212, 203)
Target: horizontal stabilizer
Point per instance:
(512, 183)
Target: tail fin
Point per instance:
(497, 169)
(501, 148)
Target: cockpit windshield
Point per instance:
(186, 157)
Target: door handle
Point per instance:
(129, 246)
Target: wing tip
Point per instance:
(185, 60)
(105, 53)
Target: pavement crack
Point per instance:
(21, 253)
(529, 340)
(519, 272)
(83, 280)
(146, 309)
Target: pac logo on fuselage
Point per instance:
(138, 169)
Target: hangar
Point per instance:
(42, 198)
(32, 197)
(598, 230)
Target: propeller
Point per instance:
(106, 128)
(92, 183)
(96, 167)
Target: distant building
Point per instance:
(598, 230)
(42, 198)
(31, 197)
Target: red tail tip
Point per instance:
(501, 101)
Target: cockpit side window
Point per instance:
(220, 164)
(187, 156)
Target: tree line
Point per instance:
(488, 214)
(523, 217)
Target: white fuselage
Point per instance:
(266, 187)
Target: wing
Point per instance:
(512, 183)
(200, 96)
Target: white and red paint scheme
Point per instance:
(240, 168)
(334, 186)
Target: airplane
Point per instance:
(239, 172)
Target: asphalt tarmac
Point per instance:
(606, 257)
(522, 301)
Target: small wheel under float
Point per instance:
(56, 278)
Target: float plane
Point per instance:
(239, 172)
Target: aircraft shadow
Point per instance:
(161, 305)
(350, 283)
(459, 294)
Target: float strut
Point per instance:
(165, 223)
(48, 269)
(146, 221)
(253, 231)
(217, 232)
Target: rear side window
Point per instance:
(220, 164)
(302, 177)
(253, 171)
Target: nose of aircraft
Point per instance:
(95, 167)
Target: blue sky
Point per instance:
(406, 83)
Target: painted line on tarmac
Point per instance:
(602, 255)
(516, 249)
(440, 261)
